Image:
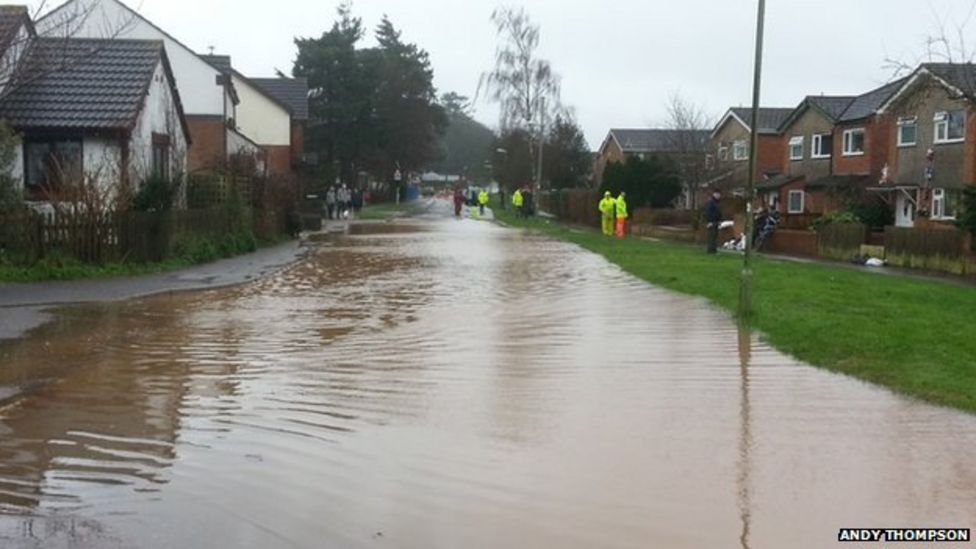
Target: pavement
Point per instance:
(24, 307)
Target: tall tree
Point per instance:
(568, 160)
(690, 126)
(514, 163)
(653, 182)
(467, 145)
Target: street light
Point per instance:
(745, 290)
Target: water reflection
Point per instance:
(745, 436)
(460, 386)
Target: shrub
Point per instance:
(835, 217)
(967, 213)
(156, 194)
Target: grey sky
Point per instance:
(619, 60)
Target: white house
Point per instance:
(210, 99)
(106, 111)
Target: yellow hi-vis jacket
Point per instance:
(483, 198)
(621, 208)
(607, 205)
(517, 199)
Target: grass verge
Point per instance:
(912, 336)
(381, 212)
(189, 252)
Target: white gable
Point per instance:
(260, 118)
(195, 78)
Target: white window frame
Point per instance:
(942, 119)
(796, 141)
(849, 141)
(740, 146)
(905, 122)
(723, 153)
(803, 200)
(940, 199)
(817, 143)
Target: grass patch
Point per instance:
(186, 253)
(381, 212)
(908, 335)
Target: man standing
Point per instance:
(622, 215)
(458, 201)
(483, 201)
(713, 218)
(517, 202)
(607, 213)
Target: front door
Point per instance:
(905, 207)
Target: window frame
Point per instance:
(905, 122)
(160, 156)
(817, 139)
(37, 189)
(849, 141)
(723, 153)
(740, 145)
(796, 141)
(789, 202)
(943, 199)
(943, 119)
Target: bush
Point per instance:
(835, 217)
(967, 213)
(156, 194)
(876, 214)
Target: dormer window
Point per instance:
(950, 126)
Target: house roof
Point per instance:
(839, 181)
(776, 182)
(962, 76)
(833, 106)
(85, 84)
(290, 91)
(224, 65)
(220, 62)
(655, 140)
(869, 103)
(769, 118)
(12, 18)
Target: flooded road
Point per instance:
(442, 384)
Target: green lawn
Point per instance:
(383, 211)
(915, 337)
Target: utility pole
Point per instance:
(542, 144)
(745, 290)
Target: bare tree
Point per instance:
(689, 124)
(523, 84)
(946, 44)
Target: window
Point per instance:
(823, 145)
(950, 126)
(796, 148)
(740, 150)
(723, 153)
(943, 204)
(908, 131)
(772, 200)
(709, 162)
(854, 142)
(160, 156)
(796, 202)
(50, 163)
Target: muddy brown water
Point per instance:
(463, 385)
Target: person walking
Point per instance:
(458, 201)
(517, 202)
(713, 219)
(608, 213)
(483, 199)
(330, 202)
(357, 201)
(622, 215)
(344, 198)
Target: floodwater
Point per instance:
(443, 384)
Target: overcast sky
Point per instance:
(619, 60)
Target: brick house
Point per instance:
(729, 149)
(930, 143)
(686, 147)
(105, 112)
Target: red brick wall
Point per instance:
(772, 152)
(800, 243)
(209, 136)
(279, 160)
(969, 163)
(297, 141)
(878, 139)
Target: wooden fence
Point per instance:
(930, 249)
(100, 238)
(841, 241)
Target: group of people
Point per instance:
(614, 214)
(478, 198)
(341, 202)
